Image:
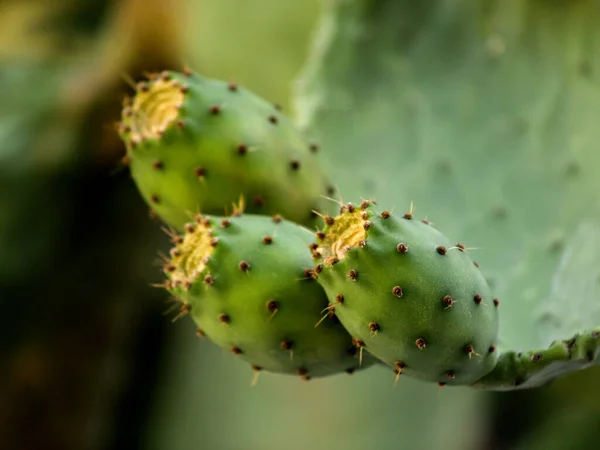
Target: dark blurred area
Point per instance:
(81, 326)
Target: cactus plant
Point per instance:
(196, 144)
(484, 112)
(411, 296)
(248, 284)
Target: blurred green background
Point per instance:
(88, 359)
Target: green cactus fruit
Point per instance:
(247, 283)
(196, 144)
(409, 295)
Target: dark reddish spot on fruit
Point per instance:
(170, 267)
(339, 298)
(312, 247)
(190, 227)
(426, 222)
(402, 247)
(286, 345)
(441, 250)
(295, 164)
(273, 120)
(364, 215)
(200, 333)
(330, 190)
(272, 305)
(496, 302)
(320, 235)
(329, 220)
(233, 87)
(421, 344)
(397, 291)
(318, 268)
(157, 165)
(154, 199)
(350, 371)
(314, 148)
(353, 275)
(209, 279)
(385, 214)
(492, 349)
(407, 216)
(309, 273)
(332, 260)
(267, 240)
(236, 350)
(224, 318)
(362, 243)
(181, 124)
(302, 372)
(447, 301)
(374, 327)
(358, 343)
(214, 242)
(441, 384)
(225, 223)
(366, 225)
(477, 299)
(256, 368)
(450, 374)
(536, 357)
(242, 149)
(200, 172)
(215, 109)
(258, 201)
(277, 218)
(469, 349)
(143, 86)
(184, 88)
(126, 160)
(399, 365)
(244, 266)
(460, 246)
(350, 208)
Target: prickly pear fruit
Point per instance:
(409, 295)
(196, 144)
(247, 282)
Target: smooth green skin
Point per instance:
(425, 277)
(211, 141)
(484, 114)
(276, 273)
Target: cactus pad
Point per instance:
(197, 145)
(409, 295)
(247, 283)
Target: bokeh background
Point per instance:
(88, 359)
